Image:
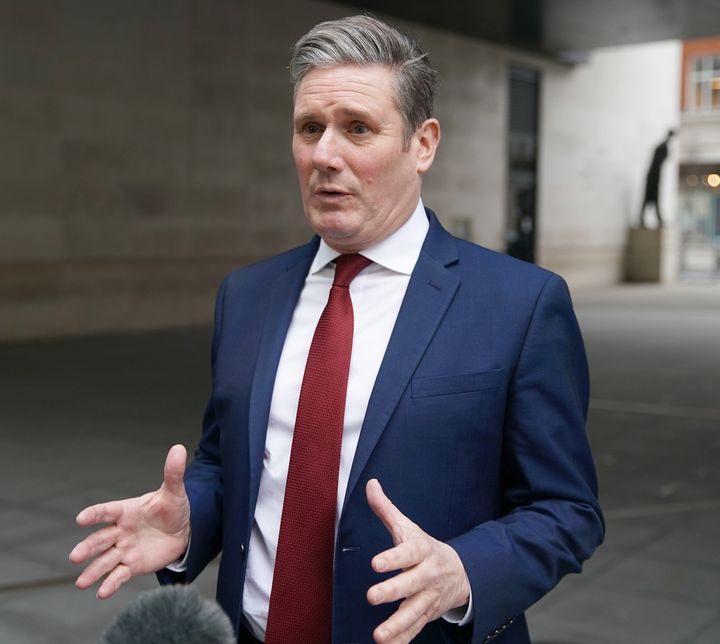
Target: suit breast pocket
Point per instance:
(456, 384)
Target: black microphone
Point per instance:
(170, 615)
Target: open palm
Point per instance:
(145, 534)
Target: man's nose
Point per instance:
(327, 154)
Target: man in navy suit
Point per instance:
(466, 396)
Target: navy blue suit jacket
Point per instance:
(475, 428)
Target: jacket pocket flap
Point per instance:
(456, 384)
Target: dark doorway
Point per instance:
(522, 160)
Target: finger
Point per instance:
(394, 520)
(406, 584)
(404, 555)
(104, 564)
(100, 513)
(119, 576)
(406, 622)
(175, 469)
(95, 544)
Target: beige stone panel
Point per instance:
(158, 162)
(114, 52)
(224, 127)
(30, 39)
(31, 237)
(29, 111)
(24, 196)
(275, 240)
(89, 164)
(463, 185)
(586, 266)
(224, 201)
(145, 81)
(29, 155)
(162, 238)
(94, 203)
(176, 277)
(130, 235)
(29, 23)
(111, 313)
(29, 281)
(103, 121)
(92, 163)
(227, 57)
(223, 92)
(218, 238)
(218, 166)
(224, 20)
(96, 235)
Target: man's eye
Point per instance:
(359, 128)
(310, 128)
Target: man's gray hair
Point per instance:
(364, 40)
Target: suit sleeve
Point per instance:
(203, 484)
(551, 521)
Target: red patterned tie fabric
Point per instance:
(301, 598)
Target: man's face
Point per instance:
(358, 179)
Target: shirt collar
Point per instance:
(398, 252)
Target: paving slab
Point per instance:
(654, 576)
(707, 635)
(596, 615)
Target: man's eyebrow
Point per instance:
(356, 113)
(346, 112)
(303, 116)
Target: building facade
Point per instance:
(146, 152)
(699, 196)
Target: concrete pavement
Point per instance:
(90, 419)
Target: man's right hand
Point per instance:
(146, 533)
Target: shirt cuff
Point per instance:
(180, 565)
(460, 616)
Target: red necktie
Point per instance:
(301, 598)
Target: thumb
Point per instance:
(395, 521)
(174, 470)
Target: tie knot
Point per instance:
(347, 267)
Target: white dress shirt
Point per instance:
(377, 293)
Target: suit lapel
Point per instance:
(283, 294)
(431, 289)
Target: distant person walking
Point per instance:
(652, 182)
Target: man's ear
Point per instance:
(428, 139)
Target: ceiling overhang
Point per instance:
(561, 29)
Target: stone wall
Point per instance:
(145, 151)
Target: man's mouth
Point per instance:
(331, 191)
(331, 195)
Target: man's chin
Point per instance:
(334, 225)
(341, 239)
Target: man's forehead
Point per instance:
(370, 76)
(350, 88)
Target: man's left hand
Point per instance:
(432, 582)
